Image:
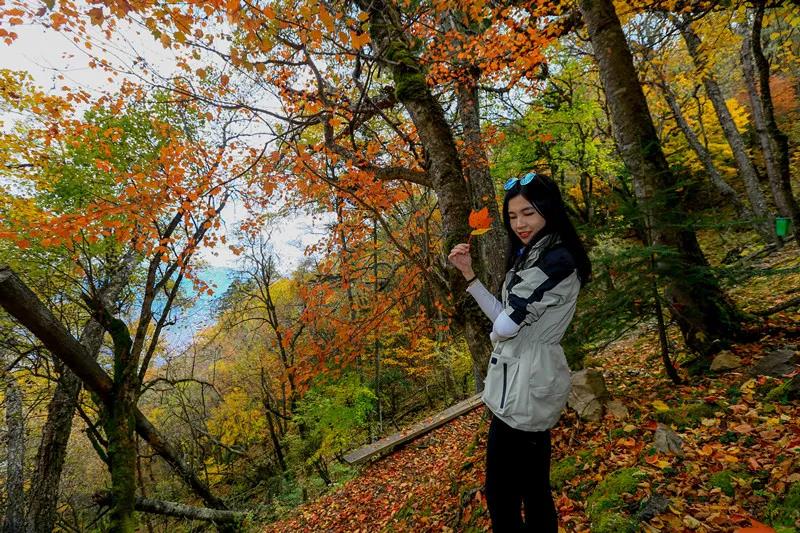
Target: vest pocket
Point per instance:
(505, 385)
(502, 383)
(547, 402)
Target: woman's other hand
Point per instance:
(459, 257)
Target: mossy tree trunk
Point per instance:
(706, 317)
(443, 164)
(119, 424)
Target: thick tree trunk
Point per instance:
(119, 427)
(727, 192)
(119, 422)
(757, 114)
(43, 495)
(742, 160)
(778, 141)
(22, 304)
(443, 162)
(707, 319)
(476, 166)
(14, 520)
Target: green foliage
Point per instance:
(563, 471)
(614, 523)
(723, 480)
(333, 415)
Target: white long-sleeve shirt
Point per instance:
(502, 326)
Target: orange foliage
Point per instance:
(337, 133)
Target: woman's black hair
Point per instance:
(544, 195)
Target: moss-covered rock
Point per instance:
(688, 415)
(785, 392)
(604, 503)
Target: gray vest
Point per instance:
(528, 379)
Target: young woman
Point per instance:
(528, 379)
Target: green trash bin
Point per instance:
(782, 226)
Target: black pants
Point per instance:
(517, 475)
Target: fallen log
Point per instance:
(794, 302)
(177, 510)
(391, 442)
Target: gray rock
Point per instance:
(588, 394)
(725, 360)
(652, 507)
(776, 363)
(617, 409)
(667, 441)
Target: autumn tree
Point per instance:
(705, 315)
(363, 92)
(119, 180)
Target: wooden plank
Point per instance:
(391, 442)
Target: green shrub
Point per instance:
(785, 512)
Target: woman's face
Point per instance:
(525, 220)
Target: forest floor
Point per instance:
(740, 437)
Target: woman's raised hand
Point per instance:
(459, 257)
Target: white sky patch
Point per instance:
(47, 55)
(290, 237)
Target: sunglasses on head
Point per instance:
(524, 180)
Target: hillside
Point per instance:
(740, 438)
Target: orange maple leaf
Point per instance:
(480, 222)
(96, 15)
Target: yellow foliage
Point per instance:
(238, 419)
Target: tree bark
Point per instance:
(747, 171)
(706, 317)
(43, 494)
(14, 520)
(727, 192)
(119, 425)
(778, 141)
(442, 161)
(178, 510)
(21, 303)
(757, 114)
(480, 182)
